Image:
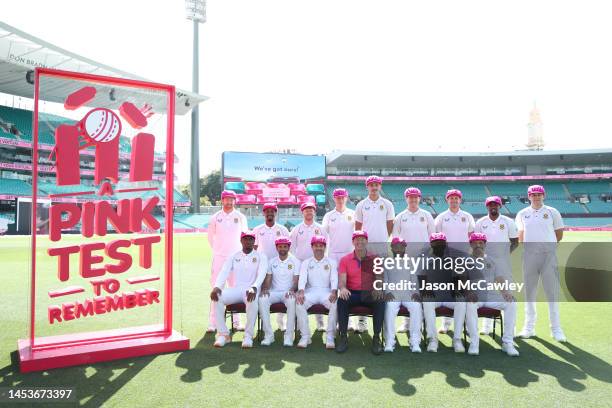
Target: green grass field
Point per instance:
(577, 373)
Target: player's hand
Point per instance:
(389, 297)
(471, 297)
(251, 294)
(265, 292)
(508, 297)
(215, 294)
(333, 296)
(300, 297)
(344, 294)
(378, 295)
(290, 294)
(416, 297)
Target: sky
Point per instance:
(323, 75)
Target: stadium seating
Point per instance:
(508, 189)
(600, 207)
(589, 187)
(305, 199)
(566, 207)
(315, 188)
(235, 186)
(246, 199)
(297, 189)
(15, 187)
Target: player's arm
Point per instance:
(221, 278)
(518, 221)
(471, 225)
(358, 217)
(558, 225)
(397, 227)
(514, 243)
(262, 270)
(390, 217)
(212, 229)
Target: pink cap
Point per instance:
(360, 233)
(318, 239)
(374, 179)
(437, 236)
(412, 191)
(398, 240)
(536, 189)
(493, 199)
(307, 205)
(478, 236)
(454, 192)
(282, 240)
(269, 205)
(248, 233)
(228, 193)
(340, 192)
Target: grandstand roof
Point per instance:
(21, 52)
(345, 158)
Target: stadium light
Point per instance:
(196, 12)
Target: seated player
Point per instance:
(500, 300)
(280, 286)
(435, 273)
(249, 270)
(317, 285)
(411, 300)
(356, 288)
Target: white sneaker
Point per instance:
(432, 345)
(526, 333)
(362, 326)
(389, 348)
(247, 342)
(415, 348)
(330, 344)
(510, 350)
(288, 342)
(268, 340)
(222, 340)
(304, 342)
(473, 349)
(446, 323)
(559, 335)
(458, 346)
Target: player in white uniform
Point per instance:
(435, 273)
(318, 285)
(374, 215)
(502, 236)
(301, 235)
(248, 267)
(223, 232)
(339, 225)
(398, 247)
(500, 300)
(280, 286)
(265, 235)
(540, 227)
(457, 225)
(414, 225)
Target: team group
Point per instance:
(324, 264)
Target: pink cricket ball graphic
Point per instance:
(100, 125)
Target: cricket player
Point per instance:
(301, 235)
(280, 286)
(500, 300)
(223, 233)
(249, 270)
(414, 225)
(398, 248)
(435, 272)
(457, 225)
(356, 288)
(502, 236)
(265, 236)
(339, 225)
(540, 227)
(374, 215)
(317, 285)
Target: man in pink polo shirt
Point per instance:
(355, 288)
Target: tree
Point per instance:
(211, 186)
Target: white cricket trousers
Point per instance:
(277, 296)
(416, 321)
(471, 319)
(317, 296)
(230, 296)
(541, 265)
(429, 311)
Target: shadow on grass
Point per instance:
(96, 385)
(401, 367)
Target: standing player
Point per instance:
(500, 300)
(265, 236)
(502, 238)
(414, 225)
(540, 227)
(457, 225)
(224, 238)
(301, 235)
(317, 285)
(339, 225)
(248, 267)
(374, 215)
(279, 286)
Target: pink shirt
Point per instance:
(354, 269)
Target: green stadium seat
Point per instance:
(15, 187)
(315, 188)
(235, 186)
